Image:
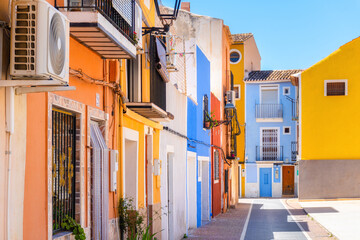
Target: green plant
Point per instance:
(185, 236)
(210, 120)
(70, 224)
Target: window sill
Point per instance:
(62, 235)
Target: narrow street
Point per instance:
(263, 219)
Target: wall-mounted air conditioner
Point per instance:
(171, 53)
(39, 42)
(138, 26)
(230, 97)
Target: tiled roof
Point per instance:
(272, 75)
(241, 37)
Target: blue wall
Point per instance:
(195, 128)
(252, 97)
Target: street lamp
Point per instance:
(166, 15)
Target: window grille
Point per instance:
(335, 88)
(63, 167)
(206, 109)
(216, 165)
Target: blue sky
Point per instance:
(290, 34)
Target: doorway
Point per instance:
(191, 190)
(288, 180)
(99, 183)
(205, 188)
(265, 182)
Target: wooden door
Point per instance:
(288, 180)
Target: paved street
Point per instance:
(267, 219)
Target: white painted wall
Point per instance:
(170, 143)
(191, 191)
(207, 32)
(252, 58)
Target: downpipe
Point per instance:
(9, 111)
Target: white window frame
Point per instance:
(284, 133)
(239, 91)
(261, 137)
(335, 81)
(286, 94)
(200, 172)
(272, 86)
(216, 180)
(237, 51)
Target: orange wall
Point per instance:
(35, 194)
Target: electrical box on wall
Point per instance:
(114, 167)
(156, 167)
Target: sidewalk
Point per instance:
(341, 218)
(228, 225)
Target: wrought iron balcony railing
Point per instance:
(120, 13)
(294, 108)
(269, 111)
(269, 152)
(294, 150)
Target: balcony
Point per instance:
(270, 153)
(294, 108)
(105, 26)
(269, 112)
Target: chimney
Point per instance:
(185, 6)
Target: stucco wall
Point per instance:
(253, 128)
(329, 124)
(170, 143)
(252, 56)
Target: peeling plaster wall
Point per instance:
(207, 33)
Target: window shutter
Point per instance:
(335, 89)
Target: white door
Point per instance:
(205, 206)
(191, 190)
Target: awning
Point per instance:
(161, 64)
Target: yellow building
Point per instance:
(329, 128)
(244, 58)
(139, 128)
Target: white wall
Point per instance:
(177, 105)
(252, 58)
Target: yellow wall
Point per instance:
(238, 73)
(330, 125)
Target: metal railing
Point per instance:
(294, 108)
(269, 111)
(294, 151)
(120, 13)
(269, 152)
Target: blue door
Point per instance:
(265, 182)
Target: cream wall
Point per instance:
(252, 58)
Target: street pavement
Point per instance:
(341, 218)
(258, 219)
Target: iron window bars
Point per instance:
(63, 167)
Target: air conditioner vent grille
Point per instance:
(25, 37)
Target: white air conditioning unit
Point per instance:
(39, 42)
(171, 53)
(138, 26)
(230, 97)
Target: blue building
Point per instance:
(198, 149)
(270, 140)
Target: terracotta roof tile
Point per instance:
(272, 75)
(241, 37)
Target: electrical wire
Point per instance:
(198, 142)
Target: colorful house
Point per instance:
(328, 126)
(270, 134)
(244, 58)
(198, 151)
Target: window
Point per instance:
(269, 94)
(335, 88)
(216, 165)
(235, 56)
(286, 131)
(63, 167)
(286, 91)
(237, 91)
(199, 170)
(205, 110)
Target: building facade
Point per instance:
(270, 133)
(328, 143)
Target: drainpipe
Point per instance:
(9, 109)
